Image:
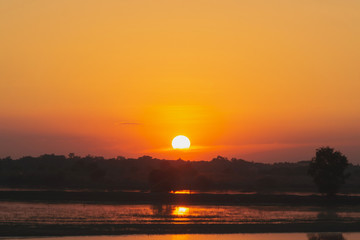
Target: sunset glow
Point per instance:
(179, 119)
(249, 79)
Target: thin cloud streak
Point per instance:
(128, 123)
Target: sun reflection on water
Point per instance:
(180, 211)
(181, 192)
(179, 237)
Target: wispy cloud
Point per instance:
(192, 148)
(128, 123)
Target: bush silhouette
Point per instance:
(327, 169)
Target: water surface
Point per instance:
(78, 214)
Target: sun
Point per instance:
(180, 142)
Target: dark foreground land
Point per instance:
(51, 171)
(169, 198)
(86, 228)
(121, 229)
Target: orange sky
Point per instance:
(257, 79)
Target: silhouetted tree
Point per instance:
(327, 169)
(163, 180)
(97, 174)
(60, 172)
(8, 158)
(220, 159)
(203, 182)
(120, 158)
(145, 157)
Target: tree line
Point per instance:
(145, 173)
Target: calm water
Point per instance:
(272, 236)
(40, 213)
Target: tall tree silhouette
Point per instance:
(328, 170)
(163, 180)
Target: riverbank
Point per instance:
(58, 213)
(169, 198)
(22, 230)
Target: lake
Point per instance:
(76, 213)
(77, 219)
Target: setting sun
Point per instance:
(180, 142)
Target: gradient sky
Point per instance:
(254, 79)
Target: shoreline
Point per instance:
(170, 198)
(24, 229)
(131, 229)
